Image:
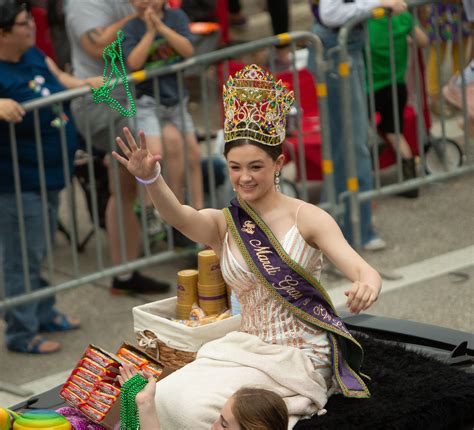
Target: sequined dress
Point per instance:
(265, 317)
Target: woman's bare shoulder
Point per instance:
(312, 220)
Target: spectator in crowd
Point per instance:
(248, 409)
(57, 26)
(200, 10)
(159, 36)
(280, 18)
(452, 90)
(330, 15)
(278, 10)
(209, 36)
(91, 26)
(26, 74)
(379, 39)
(445, 20)
(39, 11)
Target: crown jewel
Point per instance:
(255, 106)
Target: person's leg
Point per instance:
(360, 132)
(22, 322)
(384, 105)
(194, 157)
(147, 121)
(50, 319)
(186, 130)
(432, 78)
(99, 121)
(130, 226)
(279, 14)
(236, 16)
(174, 159)
(335, 121)
(234, 6)
(434, 81)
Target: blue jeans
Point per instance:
(359, 131)
(23, 322)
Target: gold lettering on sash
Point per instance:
(320, 311)
(248, 227)
(260, 252)
(288, 285)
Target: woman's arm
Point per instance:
(321, 231)
(68, 80)
(335, 13)
(96, 39)
(204, 226)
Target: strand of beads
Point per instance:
(129, 418)
(102, 94)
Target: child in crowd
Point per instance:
(402, 26)
(247, 409)
(160, 36)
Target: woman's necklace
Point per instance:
(129, 418)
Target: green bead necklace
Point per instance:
(102, 94)
(129, 419)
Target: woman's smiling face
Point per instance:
(252, 171)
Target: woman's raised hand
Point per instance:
(136, 158)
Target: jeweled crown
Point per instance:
(255, 106)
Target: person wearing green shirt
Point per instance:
(379, 37)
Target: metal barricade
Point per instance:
(101, 270)
(438, 145)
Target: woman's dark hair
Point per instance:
(9, 10)
(259, 409)
(274, 151)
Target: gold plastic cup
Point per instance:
(187, 290)
(209, 268)
(182, 311)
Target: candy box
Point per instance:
(92, 386)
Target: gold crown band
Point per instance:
(255, 106)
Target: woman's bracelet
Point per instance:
(150, 181)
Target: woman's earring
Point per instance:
(277, 180)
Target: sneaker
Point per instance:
(374, 244)
(138, 284)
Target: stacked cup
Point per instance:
(212, 290)
(187, 292)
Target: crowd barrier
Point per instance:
(204, 62)
(213, 69)
(440, 157)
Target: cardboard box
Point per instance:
(90, 382)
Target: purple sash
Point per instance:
(297, 290)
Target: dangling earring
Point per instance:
(277, 180)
